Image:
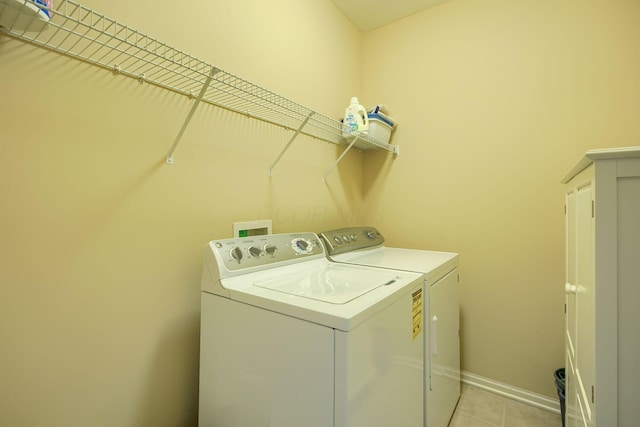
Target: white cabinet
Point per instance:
(603, 289)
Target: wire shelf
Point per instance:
(79, 32)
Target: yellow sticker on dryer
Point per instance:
(416, 313)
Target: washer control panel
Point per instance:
(266, 250)
(351, 239)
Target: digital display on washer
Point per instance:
(253, 232)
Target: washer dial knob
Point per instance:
(271, 250)
(370, 234)
(301, 246)
(255, 252)
(236, 254)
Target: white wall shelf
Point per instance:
(81, 33)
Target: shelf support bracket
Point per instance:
(213, 72)
(324, 177)
(286, 147)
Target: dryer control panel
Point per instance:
(351, 239)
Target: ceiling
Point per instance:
(368, 15)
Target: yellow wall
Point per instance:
(496, 100)
(102, 242)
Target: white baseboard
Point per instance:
(515, 393)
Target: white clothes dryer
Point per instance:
(365, 246)
(290, 339)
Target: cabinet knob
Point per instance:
(570, 289)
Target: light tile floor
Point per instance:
(479, 408)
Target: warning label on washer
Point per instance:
(416, 313)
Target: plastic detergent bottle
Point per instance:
(355, 118)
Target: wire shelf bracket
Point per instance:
(346, 150)
(295, 135)
(214, 71)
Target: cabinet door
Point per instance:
(570, 310)
(585, 301)
(580, 301)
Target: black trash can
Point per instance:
(560, 382)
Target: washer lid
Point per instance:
(340, 296)
(334, 284)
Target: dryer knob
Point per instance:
(370, 234)
(236, 254)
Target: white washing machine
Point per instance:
(291, 339)
(365, 246)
